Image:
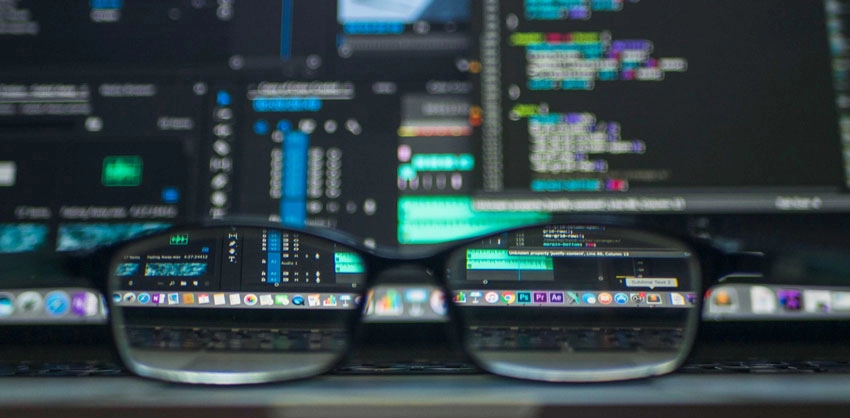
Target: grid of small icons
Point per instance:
(565, 298)
(40, 304)
(238, 300)
(785, 301)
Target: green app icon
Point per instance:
(281, 300)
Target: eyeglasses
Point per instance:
(240, 304)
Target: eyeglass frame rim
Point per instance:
(705, 256)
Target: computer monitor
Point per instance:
(411, 122)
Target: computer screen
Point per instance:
(412, 122)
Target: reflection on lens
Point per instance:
(576, 302)
(234, 305)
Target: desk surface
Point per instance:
(434, 396)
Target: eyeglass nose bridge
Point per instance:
(405, 273)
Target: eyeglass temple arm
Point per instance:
(92, 266)
(787, 265)
(725, 266)
(742, 265)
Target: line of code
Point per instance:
(577, 60)
(570, 9)
(574, 143)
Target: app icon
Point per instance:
(723, 297)
(219, 299)
(251, 299)
(85, 303)
(29, 302)
(416, 295)
(203, 298)
(389, 304)
(188, 298)
(235, 299)
(556, 297)
(345, 299)
(540, 297)
(298, 300)
(329, 301)
(144, 298)
(523, 297)
(129, 297)
(841, 301)
(460, 297)
(763, 300)
(158, 298)
(57, 303)
(791, 300)
(677, 299)
(817, 301)
(605, 298)
(588, 298)
(621, 298)
(691, 298)
(574, 298)
(722, 300)
(173, 298)
(653, 298)
(282, 300)
(266, 300)
(508, 297)
(116, 297)
(491, 297)
(438, 302)
(638, 298)
(7, 305)
(476, 296)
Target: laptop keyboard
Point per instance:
(423, 367)
(576, 339)
(227, 339)
(490, 338)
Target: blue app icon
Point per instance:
(116, 297)
(144, 298)
(523, 297)
(298, 300)
(7, 306)
(621, 298)
(588, 298)
(57, 303)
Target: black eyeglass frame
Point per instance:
(713, 263)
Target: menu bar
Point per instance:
(237, 300)
(574, 299)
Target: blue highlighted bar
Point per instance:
(273, 242)
(273, 268)
(286, 29)
(106, 4)
(373, 28)
(288, 104)
(293, 203)
(569, 185)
